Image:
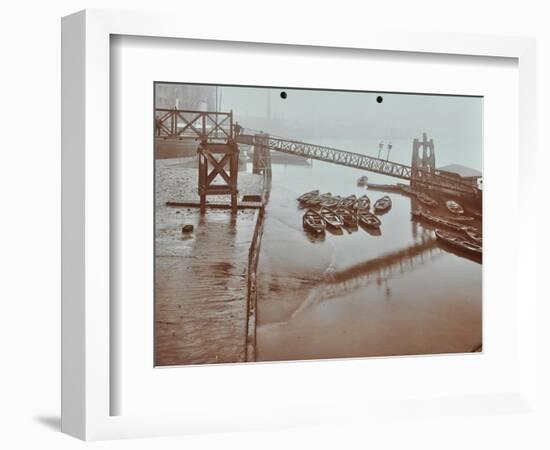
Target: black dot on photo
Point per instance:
(283, 94)
(379, 99)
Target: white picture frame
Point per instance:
(86, 326)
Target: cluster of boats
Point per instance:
(335, 212)
(326, 210)
(421, 196)
(455, 208)
(459, 242)
(468, 238)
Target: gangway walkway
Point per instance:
(360, 161)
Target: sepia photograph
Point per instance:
(302, 224)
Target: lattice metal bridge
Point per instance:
(360, 161)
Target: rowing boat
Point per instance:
(454, 207)
(426, 199)
(347, 216)
(302, 198)
(416, 213)
(330, 202)
(382, 204)
(459, 243)
(368, 219)
(463, 218)
(439, 220)
(348, 202)
(363, 181)
(362, 203)
(313, 201)
(406, 189)
(312, 221)
(474, 234)
(331, 218)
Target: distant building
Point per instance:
(182, 96)
(464, 173)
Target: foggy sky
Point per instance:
(455, 123)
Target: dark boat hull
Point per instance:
(382, 205)
(331, 219)
(369, 220)
(459, 244)
(313, 222)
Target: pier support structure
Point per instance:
(427, 160)
(218, 171)
(262, 156)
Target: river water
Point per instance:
(359, 294)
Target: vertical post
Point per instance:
(233, 173)
(203, 173)
(424, 149)
(173, 123)
(414, 161)
(432, 154)
(257, 155)
(267, 162)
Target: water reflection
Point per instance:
(315, 237)
(372, 231)
(327, 300)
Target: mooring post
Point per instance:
(233, 173)
(203, 172)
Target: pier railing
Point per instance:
(365, 162)
(201, 125)
(218, 127)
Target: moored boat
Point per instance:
(330, 202)
(441, 221)
(426, 199)
(368, 219)
(331, 218)
(454, 207)
(382, 204)
(362, 203)
(348, 202)
(347, 216)
(363, 181)
(312, 221)
(459, 243)
(474, 234)
(406, 189)
(463, 218)
(305, 196)
(416, 213)
(313, 201)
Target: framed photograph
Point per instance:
(259, 247)
(276, 248)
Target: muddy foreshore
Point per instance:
(200, 277)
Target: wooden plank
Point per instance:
(214, 205)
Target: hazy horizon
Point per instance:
(454, 122)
